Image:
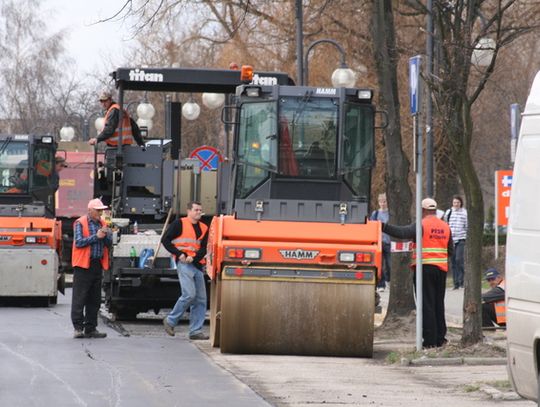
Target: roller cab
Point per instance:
(292, 260)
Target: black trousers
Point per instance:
(86, 298)
(433, 291)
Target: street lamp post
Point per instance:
(342, 76)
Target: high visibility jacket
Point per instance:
(80, 256)
(187, 242)
(44, 168)
(435, 237)
(500, 308)
(127, 135)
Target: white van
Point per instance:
(523, 256)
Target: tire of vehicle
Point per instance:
(215, 312)
(538, 389)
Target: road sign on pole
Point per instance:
(208, 156)
(415, 65)
(515, 116)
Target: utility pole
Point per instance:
(429, 103)
(299, 43)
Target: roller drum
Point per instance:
(297, 317)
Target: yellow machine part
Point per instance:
(293, 316)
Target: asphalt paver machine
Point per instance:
(143, 186)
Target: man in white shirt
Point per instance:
(456, 217)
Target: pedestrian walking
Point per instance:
(493, 303)
(90, 256)
(456, 217)
(186, 240)
(110, 133)
(436, 247)
(382, 214)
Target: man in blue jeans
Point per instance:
(186, 240)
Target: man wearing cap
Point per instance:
(110, 133)
(493, 305)
(90, 256)
(59, 165)
(437, 246)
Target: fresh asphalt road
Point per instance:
(42, 365)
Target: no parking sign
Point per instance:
(208, 156)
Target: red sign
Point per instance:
(208, 156)
(503, 186)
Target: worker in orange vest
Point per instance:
(437, 246)
(92, 240)
(110, 133)
(493, 304)
(186, 240)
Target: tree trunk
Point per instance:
(472, 307)
(446, 176)
(397, 165)
(458, 129)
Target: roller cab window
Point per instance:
(14, 168)
(23, 169)
(257, 145)
(308, 129)
(358, 156)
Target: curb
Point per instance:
(425, 361)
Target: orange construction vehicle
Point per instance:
(293, 259)
(30, 236)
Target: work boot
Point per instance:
(78, 334)
(95, 334)
(199, 337)
(169, 329)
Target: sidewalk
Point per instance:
(453, 302)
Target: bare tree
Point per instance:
(397, 188)
(461, 25)
(35, 89)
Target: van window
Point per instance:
(526, 198)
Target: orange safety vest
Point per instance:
(127, 135)
(44, 167)
(435, 237)
(187, 242)
(500, 308)
(80, 256)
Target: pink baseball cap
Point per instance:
(96, 204)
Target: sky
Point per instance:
(90, 45)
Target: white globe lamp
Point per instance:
(99, 124)
(147, 123)
(191, 110)
(145, 111)
(343, 78)
(213, 100)
(67, 133)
